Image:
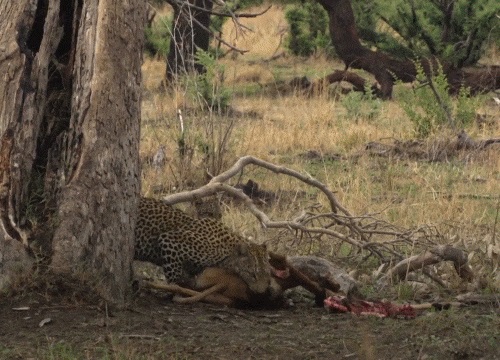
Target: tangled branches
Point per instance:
(367, 234)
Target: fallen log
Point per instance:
(358, 83)
(484, 299)
(464, 141)
(295, 277)
(326, 274)
(429, 257)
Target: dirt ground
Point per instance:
(155, 328)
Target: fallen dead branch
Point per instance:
(491, 299)
(326, 274)
(441, 149)
(464, 141)
(432, 256)
(366, 234)
(238, 167)
(217, 185)
(358, 82)
(465, 196)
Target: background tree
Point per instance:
(69, 131)
(453, 32)
(190, 25)
(195, 24)
(308, 31)
(456, 31)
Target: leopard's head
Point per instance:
(251, 262)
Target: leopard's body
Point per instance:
(184, 246)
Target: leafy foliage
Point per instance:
(456, 31)
(308, 29)
(362, 105)
(429, 105)
(157, 40)
(369, 29)
(209, 86)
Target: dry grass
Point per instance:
(459, 196)
(263, 38)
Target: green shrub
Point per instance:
(429, 106)
(457, 31)
(157, 41)
(465, 110)
(308, 29)
(209, 87)
(359, 105)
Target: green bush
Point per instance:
(429, 106)
(209, 87)
(359, 105)
(157, 41)
(456, 31)
(308, 29)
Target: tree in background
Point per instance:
(454, 33)
(308, 32)
(457, 32)
(387, 68)
(195, 24)
(190, 31)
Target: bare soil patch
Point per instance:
(155, 328)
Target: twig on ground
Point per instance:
(139, 336)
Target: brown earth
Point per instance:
(155, 328)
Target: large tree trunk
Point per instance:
(386, 69)
(188, 34)
(69, 122)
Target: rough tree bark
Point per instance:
(188, 34)
(69, 121)
(386, 69)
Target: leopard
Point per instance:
(184, 245)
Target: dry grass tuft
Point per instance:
(266, 31)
